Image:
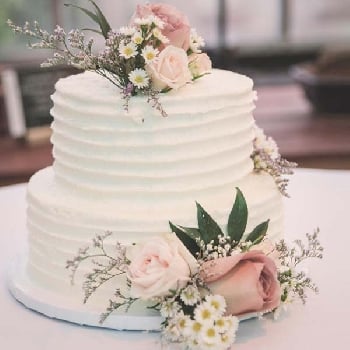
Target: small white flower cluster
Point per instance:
(267, 158)
(136, 43)
(224, 246)
(196, 41)
(268, 144)
(207, 328)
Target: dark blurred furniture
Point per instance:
(316, 141)
(311, 139)
(18, 160)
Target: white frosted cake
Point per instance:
(131, 173)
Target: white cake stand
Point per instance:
(61, 307)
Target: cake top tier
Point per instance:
(223, 87)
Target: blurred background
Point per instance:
(297, 52)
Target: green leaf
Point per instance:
(87, 12)
(92, 30)
(184, 237)
(237, 220)
(191, 231)
(258, 234)
(209, 229)
(104, 25)
(97, 17)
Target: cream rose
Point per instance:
(176, 24)
(159, 265)
(199, 64)
(248, 282)
(171, 69)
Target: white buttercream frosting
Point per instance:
(113, 172)
(205, 141)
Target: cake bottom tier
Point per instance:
(62, 220)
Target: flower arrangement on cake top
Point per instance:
(157, 52)
(202, 279)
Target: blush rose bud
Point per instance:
(176, 24)
(248, 282)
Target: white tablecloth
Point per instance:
(319, 198)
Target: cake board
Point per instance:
(56, 306)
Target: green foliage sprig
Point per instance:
(209, 232)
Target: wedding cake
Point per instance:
(146, 134)
(114, 172)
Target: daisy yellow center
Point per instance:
(229, 323)
(211, 333)
(196, 327)
(220, 322)
(139, 79)
(128, 51)
(206, 314)
(215, 304)
(138, 40)
(150, 56)
(182, 323)
(224, 338)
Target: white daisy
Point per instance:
(128, 31)
(169, 309)
(139, 78)
(127, 51)
(143, 21)
(149, 53)
(227, 339)
(137, 38)
(193, 329)
(221, 324)
(268, 144)
(157, 21)
(232, 323)
(190, 295)
(205, 313)
(196, 41)
(182, 323)
(158, 35)
(217, 302)
(210, 335)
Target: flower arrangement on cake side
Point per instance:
(266, 158)
(201, 280)
(157, 52)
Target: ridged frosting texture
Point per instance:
(60, 221)
(203, 144)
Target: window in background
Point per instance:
(19, 11)
(249, 24)
(252, 23)
(320, 21)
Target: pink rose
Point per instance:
(176, 25)
(170, 70)
(248, 282)
(159, 265)
(199, 64)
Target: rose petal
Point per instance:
(239, 288)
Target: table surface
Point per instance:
(319, 198)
